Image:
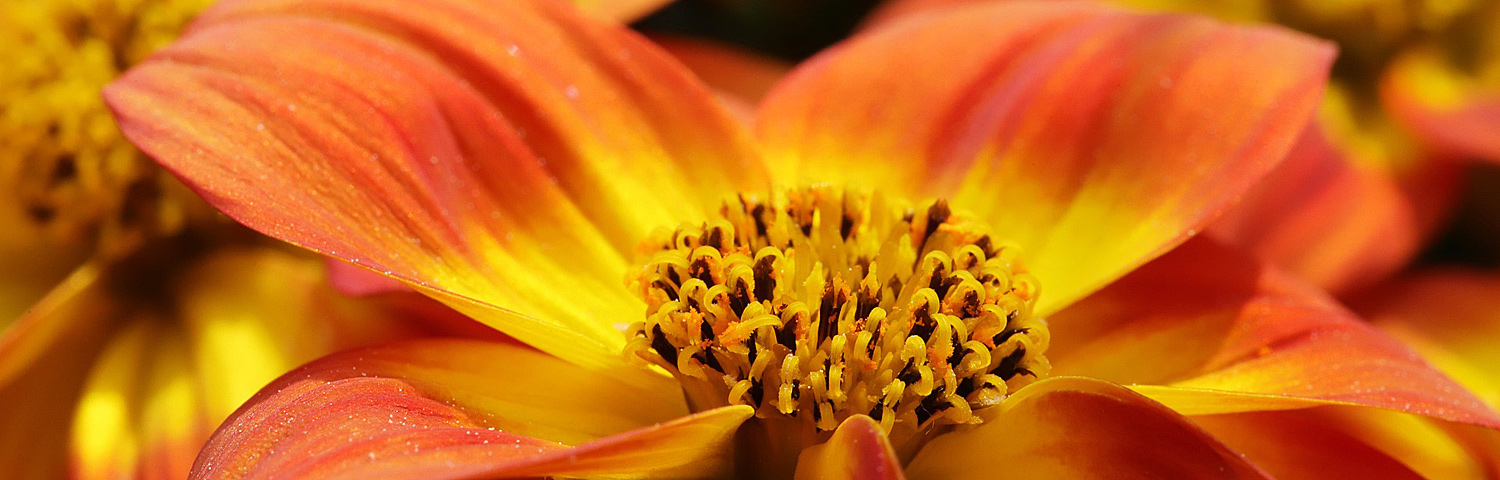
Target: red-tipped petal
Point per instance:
(496, 155)
(1071, 427)
(1336, 221)
(463, 409)
(858, 450)
(1207, 330)
(1096, 139)
(1451, 317)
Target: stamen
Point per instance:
(828, 304)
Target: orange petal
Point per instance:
(1217, 332)
(529, 392)
(1246, 11)
(446, 409)
(1452, 107)
(38, 399)
(858, 449)
(497, 156)
(1305, 444)
(625, 11)
(1336, 222)
(1069, 427)
(740, 75)
(1083, 134)
(357, 281)
(77, 307)
(1450, 316)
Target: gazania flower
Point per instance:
(914, 262)
(1416, 86)
(133, 318)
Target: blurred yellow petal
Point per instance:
(198, 339)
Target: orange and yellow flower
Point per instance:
(875, 281)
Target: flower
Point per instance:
(692, 296)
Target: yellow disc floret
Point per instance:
(829, 304)
(69, 172)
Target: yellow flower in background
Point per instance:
(72, 187)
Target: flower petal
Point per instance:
(1310, 444)
(1070, 427)
(239, 307)
(1095, 139)
(493, 155)
(39, 400)
(740, 77)
(524, 390)
(858, 449)
(1452, 104)
(1211, 330)
(460, 409)
(625, 11)
(33, 266)
(77, 307)
(174, 370)
(1451, 317)
(1334, 222)
(1249, 11)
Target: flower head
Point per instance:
(923, 222)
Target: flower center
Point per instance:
(70, 174)
(828, 304)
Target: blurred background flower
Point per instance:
(134, 318)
